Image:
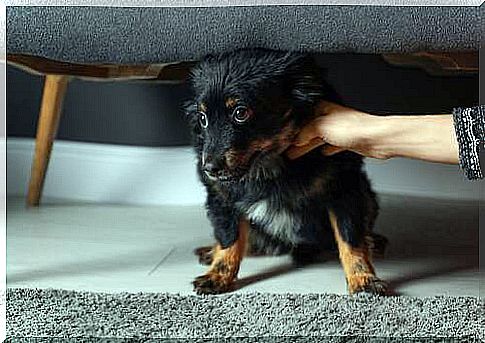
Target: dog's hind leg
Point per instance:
(355, 259)
(305, 254)
(262, 244)
(225, 264)
(205, 254)
(259, 244)
(377, 243)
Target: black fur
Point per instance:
(281, 89)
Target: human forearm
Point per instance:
(426, 137)
(337, 128)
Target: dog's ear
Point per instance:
(309, 82)
(306, 81)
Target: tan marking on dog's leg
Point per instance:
(356, 263)
(225, 265)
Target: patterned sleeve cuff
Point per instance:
(470, 133)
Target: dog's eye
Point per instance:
(241, 114)
(203, 121)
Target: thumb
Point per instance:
(329, 150)
(296, 151)
(309, 134)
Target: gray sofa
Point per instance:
(165, 34)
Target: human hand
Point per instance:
(336, 128)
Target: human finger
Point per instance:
(298, 151)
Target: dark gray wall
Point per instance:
(149, 114)
(135, 113)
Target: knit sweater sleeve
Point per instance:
(470, 133)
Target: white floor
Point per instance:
(113, 248)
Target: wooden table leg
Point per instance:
(50, 113)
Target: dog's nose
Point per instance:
(211, 169)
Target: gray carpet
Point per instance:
(288, 317)
(165, 34)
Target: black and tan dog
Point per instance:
(248, 106)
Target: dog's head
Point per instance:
(248, 106)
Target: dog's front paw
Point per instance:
(367, 283)
(206, 255)
(212, 283)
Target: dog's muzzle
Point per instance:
(215, 169)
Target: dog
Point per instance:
(247, 107)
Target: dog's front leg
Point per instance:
(225, 263)
(355, 259)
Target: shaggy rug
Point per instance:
(38, 315)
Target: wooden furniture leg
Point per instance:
(58, 73)
(50, 113)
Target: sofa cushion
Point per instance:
(168, 34)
